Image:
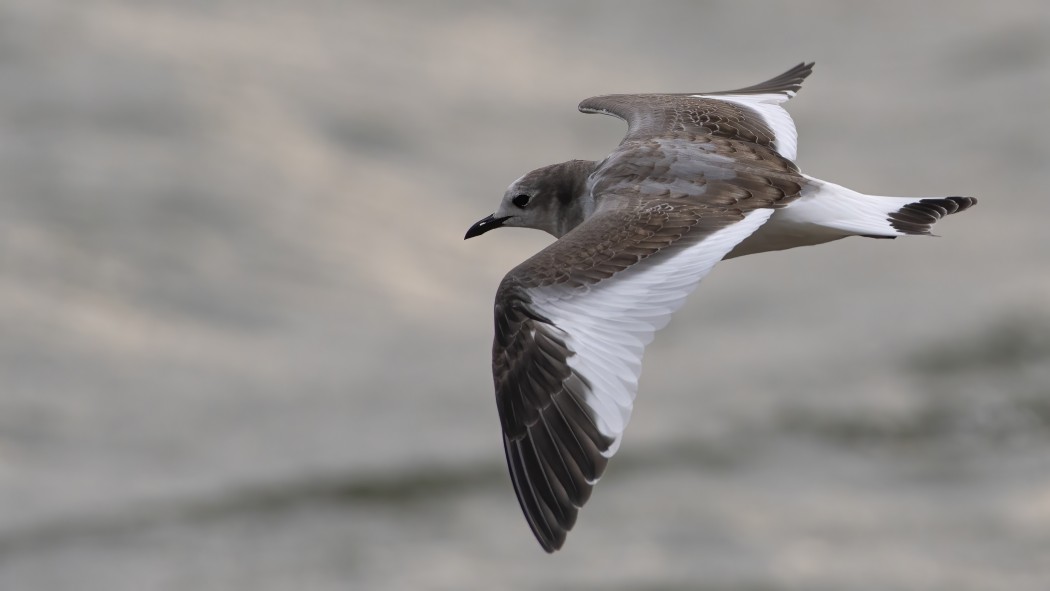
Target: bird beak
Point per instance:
(484, 225)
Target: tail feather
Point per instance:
(918, 217)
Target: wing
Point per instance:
(751, 114)
(572, 323)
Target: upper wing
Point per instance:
(572, 323)
(751, 114)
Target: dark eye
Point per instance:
(520, 200)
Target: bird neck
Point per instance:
(577, 202)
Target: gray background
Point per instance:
(243, 345)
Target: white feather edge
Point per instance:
(768, 108)
(609, 325)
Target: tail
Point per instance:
(840, 209)
(826, 212)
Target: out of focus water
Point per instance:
(243, 346)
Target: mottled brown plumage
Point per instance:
(662, 114)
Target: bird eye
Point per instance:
(520, 200)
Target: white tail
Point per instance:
(826, 211)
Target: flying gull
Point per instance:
(699, 178)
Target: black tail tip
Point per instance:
(919, 217)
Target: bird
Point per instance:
(698, 178)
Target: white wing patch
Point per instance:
(609, 324)
(768, 108)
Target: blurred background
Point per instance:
(244, 346)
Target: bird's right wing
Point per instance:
(572, 323)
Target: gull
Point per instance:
(699, 177)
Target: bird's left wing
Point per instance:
(751, 115)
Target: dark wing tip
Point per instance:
(919, 217)
(790, 81)
(553, 467)
(550, 531)
(554, 448)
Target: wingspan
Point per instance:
(572, 324)
(752, 114)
